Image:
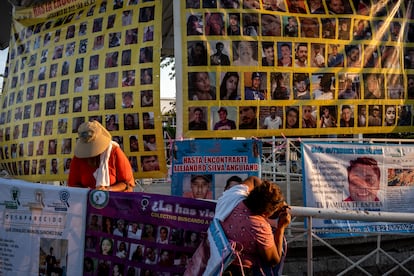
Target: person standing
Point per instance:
(219, 58)
(99, 163)
(272, 121)
(50, 262)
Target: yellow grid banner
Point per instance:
(75, 61)
(316, 67)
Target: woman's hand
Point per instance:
(284, 217)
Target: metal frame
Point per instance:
(311, 213)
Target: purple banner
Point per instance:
(140, 233)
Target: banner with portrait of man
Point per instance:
(360, 177)
(75, 61)
(203, 169)
(303, 67)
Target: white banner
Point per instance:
(41, 229)
(354, 176)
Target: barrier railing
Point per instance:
(310, 233)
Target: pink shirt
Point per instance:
(251, 231)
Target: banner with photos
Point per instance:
(360, 177)
(143, 234)
(204, 168)
(76, 61)
(42, 229)
(303, 67)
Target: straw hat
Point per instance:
(93, 140)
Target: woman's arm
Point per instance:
(251, 182)
(124, 175)
(272, 255)
(117, 187)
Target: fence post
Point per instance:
(310, 247)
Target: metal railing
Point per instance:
(310, 233)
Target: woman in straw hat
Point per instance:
(99, 162)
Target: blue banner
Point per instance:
(202, 168)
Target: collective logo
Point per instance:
(99, 199)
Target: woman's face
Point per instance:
(285, 52)
(307, 112)
(116, 270)
(202, 82)
(106, 247)
(216, 24)
(390, 115)
(346, 114)
(149, 229)
(231, 84)
(163, 234)
(372, 84)
(291, 119)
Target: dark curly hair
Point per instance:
(265, 198)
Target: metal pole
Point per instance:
(310, 247)
(351, 214)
